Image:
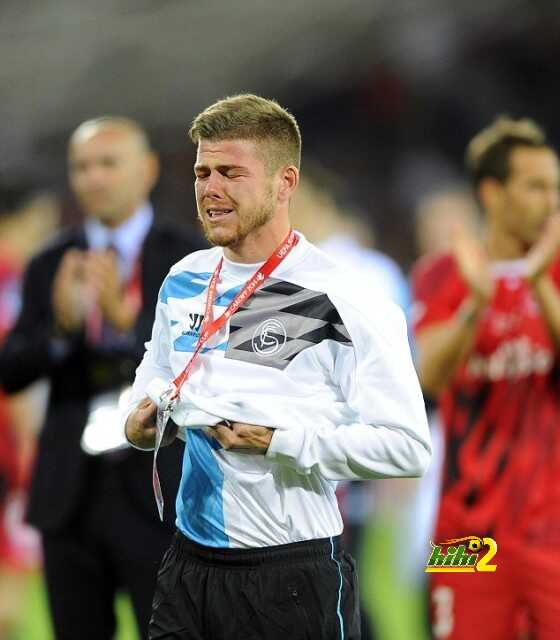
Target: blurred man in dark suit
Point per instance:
(88, 305)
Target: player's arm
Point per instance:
(544, 287)
(139, 417)
(389, 436)
(442, 347)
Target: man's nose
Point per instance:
(94, 175)
(214, 185)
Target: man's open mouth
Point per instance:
(216, 214)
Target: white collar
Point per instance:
(127, 238)
(509, 268)
(245, 270)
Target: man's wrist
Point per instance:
(469, 312)
(535, 276)
(537, 264)
(541, 285)
(63, 326)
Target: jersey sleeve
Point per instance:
(155, 363)
(389, 435)
(437, 291)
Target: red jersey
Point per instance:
(501, 410)
(10, 278)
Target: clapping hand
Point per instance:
(71, 295)
(473, 265)
(545, 249)
(103, 274)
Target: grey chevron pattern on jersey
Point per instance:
(280, 321)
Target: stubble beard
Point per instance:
(246, 223)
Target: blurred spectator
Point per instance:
(345, 234)
(88, 303)
(488, 331)
(27, 219)
(439, 214)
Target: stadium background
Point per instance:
(387, 94)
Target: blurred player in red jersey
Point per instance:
(27, 218)
(488, 334)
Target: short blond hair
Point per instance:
(489, 152)
(250, 117)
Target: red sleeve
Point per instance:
(437, 289)
(554, 271)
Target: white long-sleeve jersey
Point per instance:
(316, 355)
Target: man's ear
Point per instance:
(289, 180)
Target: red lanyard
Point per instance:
(209, 326)
(208, 329)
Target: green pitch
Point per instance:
(35, 624)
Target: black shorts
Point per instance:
(300, 591)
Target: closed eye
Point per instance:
(227, 171)
(234, 174)
(200, 175)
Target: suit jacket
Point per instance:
(63, 474)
